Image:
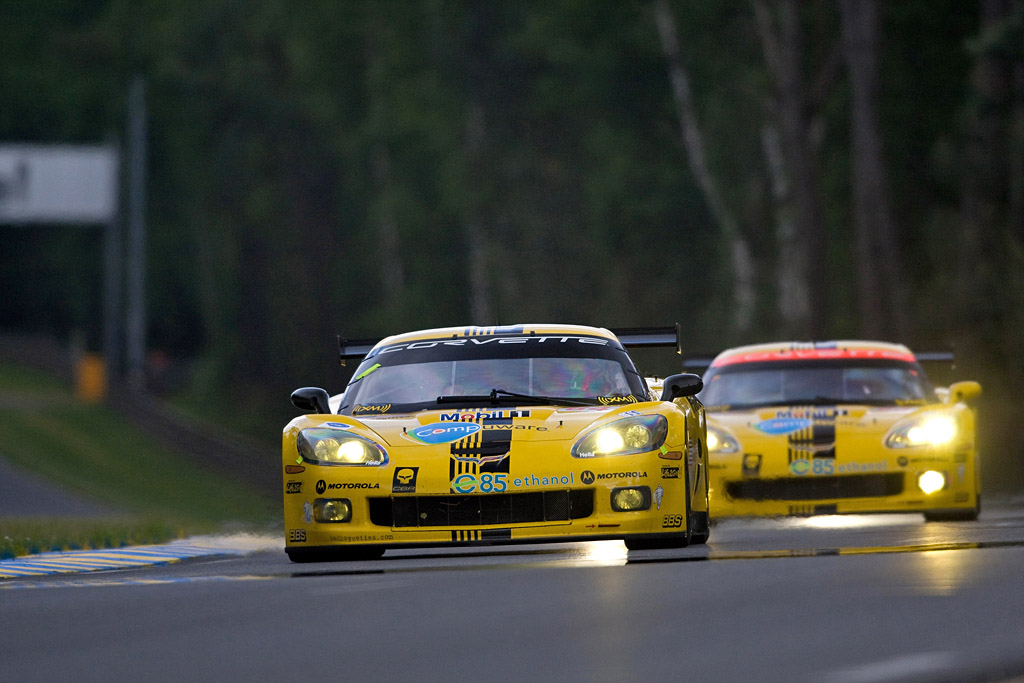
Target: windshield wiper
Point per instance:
(499, 396)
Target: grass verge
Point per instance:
(159, 495)
(28, 536)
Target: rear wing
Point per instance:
(640, 337)
(698, 363)
(351, 349)
(636, 337)
(935, 357)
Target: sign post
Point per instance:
(70, 185)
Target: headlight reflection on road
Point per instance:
(853, 521)
(600, 554)
(942, 572)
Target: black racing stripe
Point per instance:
(466, 444)
(817, 440)
(495, 534)
(824, 433)
(496, 442)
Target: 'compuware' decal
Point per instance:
(438, 432)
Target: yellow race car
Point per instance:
(476, 436)
(838, 427)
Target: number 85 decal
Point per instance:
(487, 482)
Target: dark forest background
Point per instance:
(754, 169)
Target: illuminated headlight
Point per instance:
(323, 446)
(631, 498)
(624, 437)
(332, 510)
(935, 430)
(931, 481)
(720, 441)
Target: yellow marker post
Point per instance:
(91, 378)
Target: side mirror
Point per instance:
(685, 384)
(963, 392)
(312, 400)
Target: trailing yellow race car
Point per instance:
(838, 427)
(465, 436)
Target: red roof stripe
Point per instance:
(813, 354)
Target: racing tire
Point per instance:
(968, 515)
(661, 543)
(700, 522)
(304, 555)
(701, 528)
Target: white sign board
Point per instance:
(58, 183)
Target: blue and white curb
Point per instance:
(75, 561)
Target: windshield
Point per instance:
(751, 385)
(493, 371)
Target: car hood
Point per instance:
(528, 423)
(844, 412)
(784, 421)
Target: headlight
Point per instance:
(322, 446)
(720, 441)
(624, 437)
(933, 430)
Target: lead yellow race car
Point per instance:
(838, 427)
(479, 436)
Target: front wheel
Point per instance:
(700, 521)
(661, 543)
(701, 528)
(968, 515)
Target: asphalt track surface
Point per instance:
(834, 599)
(24, 494)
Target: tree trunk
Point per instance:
(390, 266)
(881, 285)
(478, 252)
(783, 49)
(790, 267)
(739, 251)
(984, 262)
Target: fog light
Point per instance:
(332, 510)
(931, 481)
(630, 499)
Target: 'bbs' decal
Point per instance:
(671, 521)
(297, 535)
